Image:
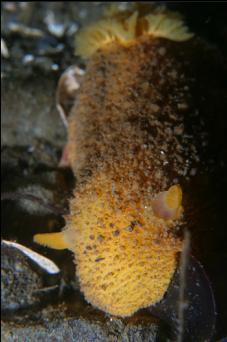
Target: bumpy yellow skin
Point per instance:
(125, 255)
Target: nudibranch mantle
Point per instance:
(125, 214)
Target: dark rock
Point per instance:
(56, 324)
(29, 113)
(19, 281)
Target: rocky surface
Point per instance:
(18, 281)
(56, 324)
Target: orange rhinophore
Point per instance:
(126, 140)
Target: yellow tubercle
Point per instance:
(126, 27)
(52, 240)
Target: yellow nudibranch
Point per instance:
(123, 145)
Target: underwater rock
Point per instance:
(19, 280)
(54, 324)
(36, 117)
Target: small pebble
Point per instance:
(4, 49)
(55, 67)
(28, 58)
(25, 31)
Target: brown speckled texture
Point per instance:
(133, 105)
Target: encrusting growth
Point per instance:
(126, 152)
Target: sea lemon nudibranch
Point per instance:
(125, 150)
